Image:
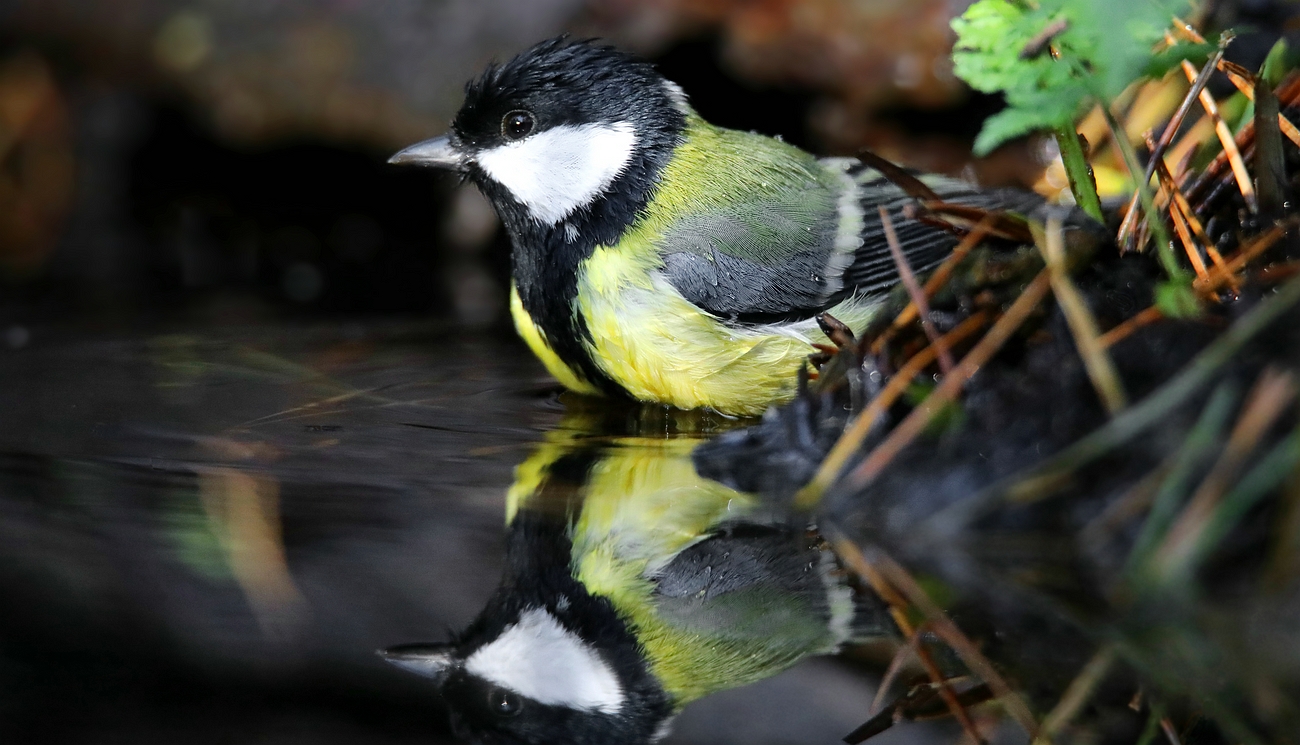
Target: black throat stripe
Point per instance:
(546, 263)
(546, 270)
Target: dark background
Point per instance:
(226, 326)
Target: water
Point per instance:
(205, 535)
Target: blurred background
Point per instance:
(259, 396)
(227, 158)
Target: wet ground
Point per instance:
(205, 534)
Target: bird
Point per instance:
(658, 257)
(633, 587)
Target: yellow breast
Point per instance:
(660, 347)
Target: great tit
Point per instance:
(633, 587)
(664, 258)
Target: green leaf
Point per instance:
(1175, 299)
(1276, 63)
(1009, 124)
(1101, 47)
(990, 37)
(1121, 34)
(1165, 60)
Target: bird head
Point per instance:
(560, 128)
(545, 661)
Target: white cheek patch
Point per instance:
(556, 171)
(539, 659)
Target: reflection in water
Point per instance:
(633, 587)
(204, 538)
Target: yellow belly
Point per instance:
(662, 349)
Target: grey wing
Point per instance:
(755, 261)
(873, 267)
(777, 261)
(762, 581)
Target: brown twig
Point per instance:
(937, 280)
(1274, 273)
(1186, 154)
(1076, 695)
(1199, 81)
(951, 386)
(1185, 220)
(1228, 140)
(853, 435)
(1189, 246)
(918, 703)
(1001, 224)
(1083, 326)
(1121, 331)
(1245, 82)
(1187, 214)
(1272, 395)
(853, 557)
(896, 666)
(1288, 94)
(900, 583)
(1218, 277)
(914, 291)
(898, 176)
(1243, 79)
(1210, 175)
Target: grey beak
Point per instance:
(428, 660)
(437, 153)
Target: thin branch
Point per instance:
(1219, 277)
(938, 279)
(900, 658)
(914, 291)
(1171, 129)
(1229, 142)
(1035, 483)
(952, 384)
(853, 557)
(856, 432)
(1122, 331)
(1083, 326)
(1076, 695)
(890, 573)
(1143, 188)
(1271, 397)
(1179, 208)
(1245, 81)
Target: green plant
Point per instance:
(1053, 57)
(1050, 59)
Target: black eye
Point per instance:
(503, 703)
(516, 125)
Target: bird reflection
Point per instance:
(633, 587)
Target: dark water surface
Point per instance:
(204, 536)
